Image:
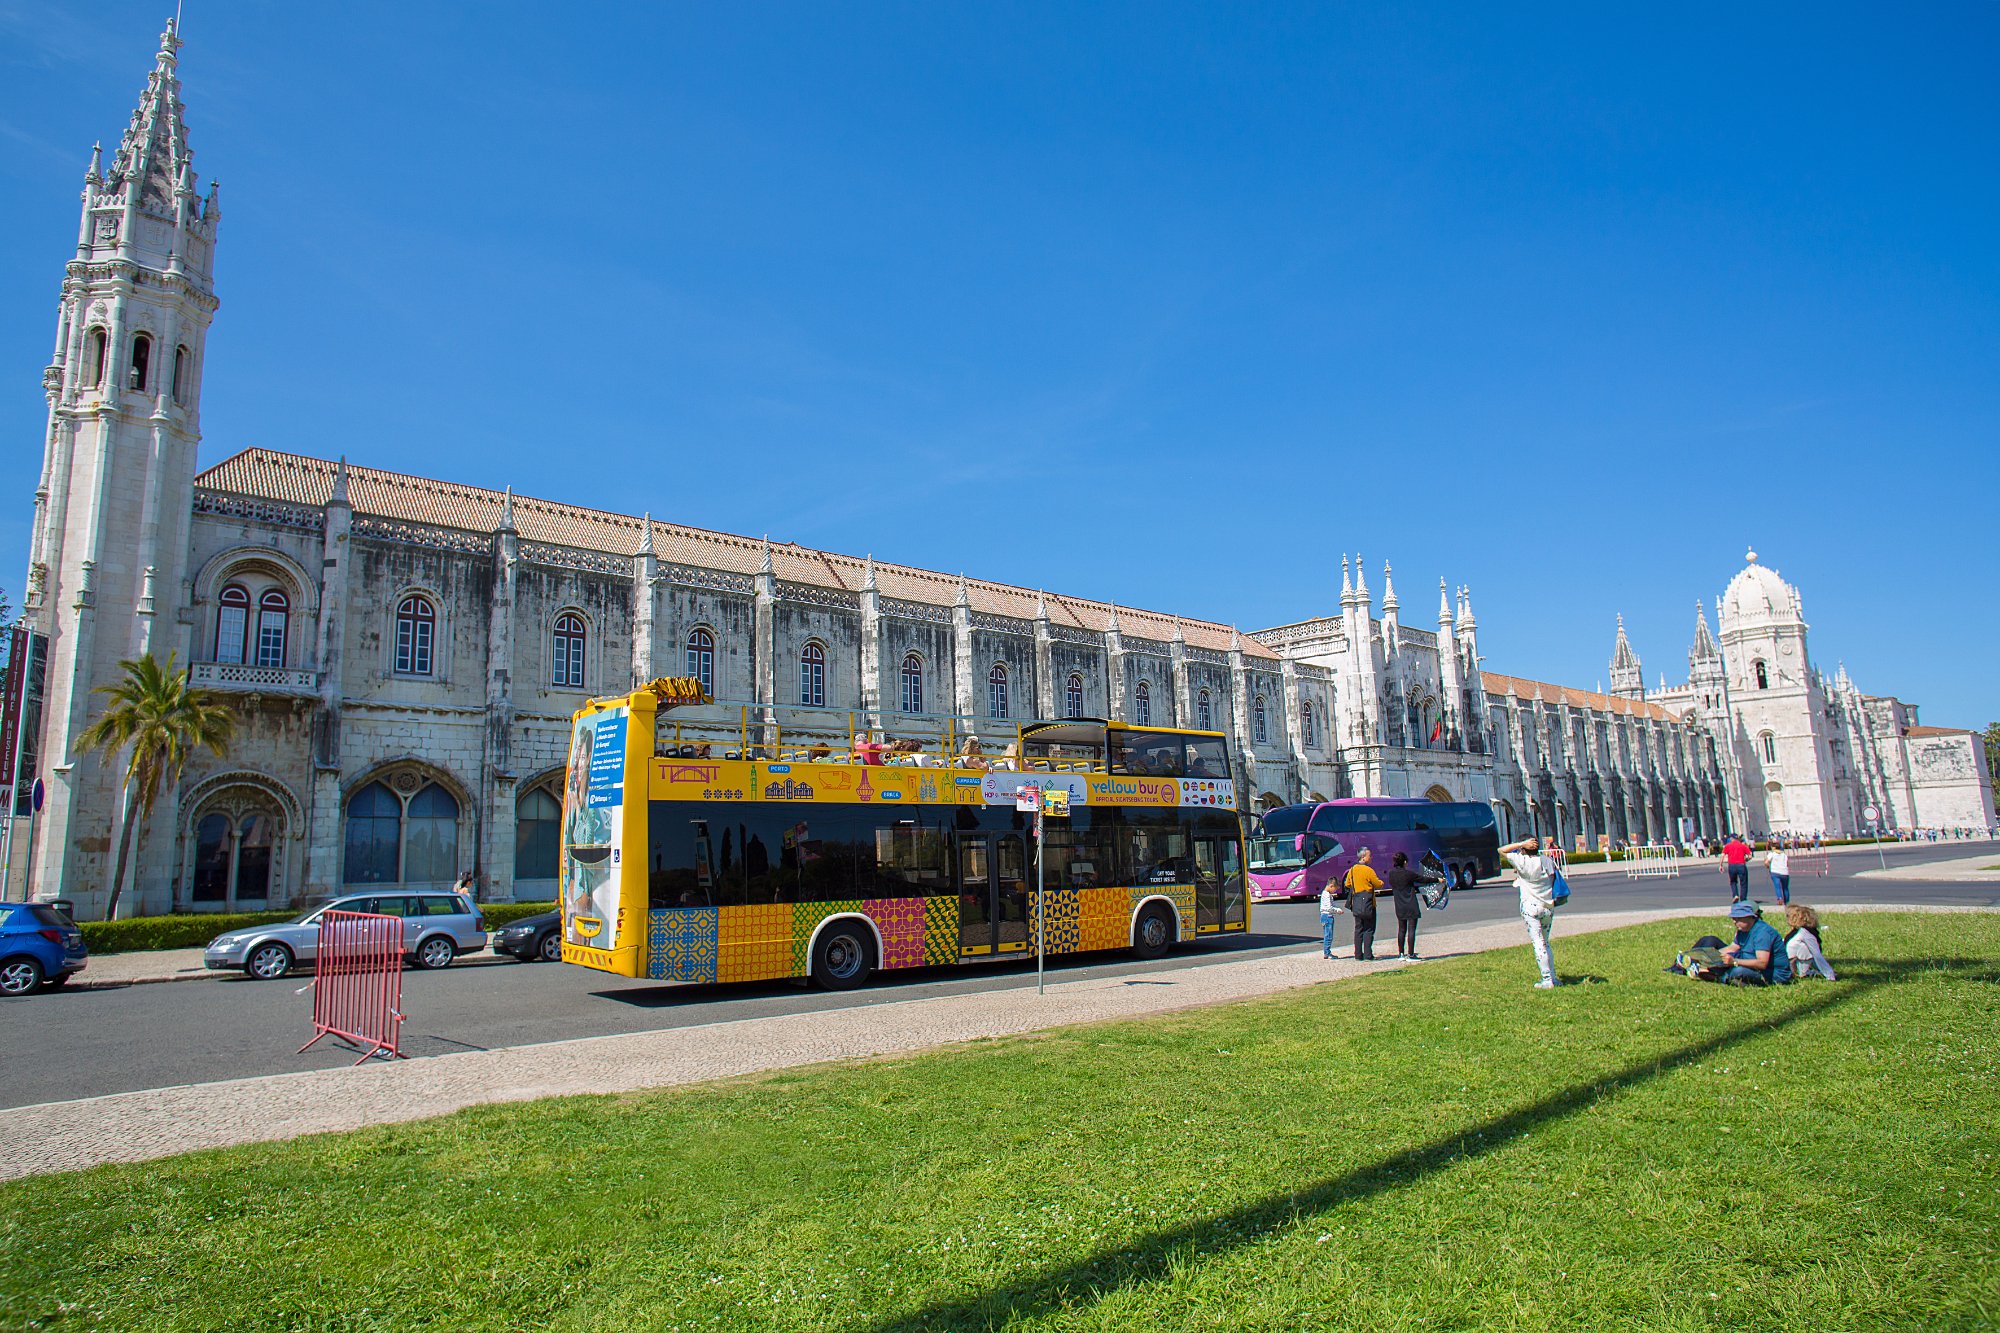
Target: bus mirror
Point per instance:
(1299, 843)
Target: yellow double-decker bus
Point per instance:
(753, 859)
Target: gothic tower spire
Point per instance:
(108, 560)
(1627, 681)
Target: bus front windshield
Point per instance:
(1276, 853)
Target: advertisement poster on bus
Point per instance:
(593, 815)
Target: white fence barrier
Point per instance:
(1652, 862)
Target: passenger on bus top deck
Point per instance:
(867, 750)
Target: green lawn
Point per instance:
(1441, 1147)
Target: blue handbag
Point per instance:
(1559, 889)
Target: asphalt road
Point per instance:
(66, 1044)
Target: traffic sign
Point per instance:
(35, 796)
(1871, 814)
(1028, 799)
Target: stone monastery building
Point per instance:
(403, 654)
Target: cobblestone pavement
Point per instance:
(137, 1126)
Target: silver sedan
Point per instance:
(437, 927)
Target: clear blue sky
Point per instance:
(1165, 304)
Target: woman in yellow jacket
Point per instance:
(1362, 884)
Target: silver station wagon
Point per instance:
(437, 927)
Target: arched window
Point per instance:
(1142, 705)
(93, 359)
(1073, 696)
(913, 684)
(416, 626)
(211, 859)
(232, 623)
(1770, 743)
(1763, 677)
(142, 361)
(567, 656)
(180, 373)
(253, 858)
(701, 657)
(996, 690)
(812, 676)
(430, 839)
(274, 613)
(1204, 712)
(1307, 730)
(537, 820)
(374, 836)
(1258, 730)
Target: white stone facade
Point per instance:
(404, 654)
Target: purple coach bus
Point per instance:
(1301, 848)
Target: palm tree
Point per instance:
(164, 722)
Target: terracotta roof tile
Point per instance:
(1575, 698)
(295, 479)
(1936, 731)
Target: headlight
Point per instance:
(224, 942)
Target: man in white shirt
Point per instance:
(1535, 877)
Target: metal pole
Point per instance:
(1040, 952)
(1876, 829)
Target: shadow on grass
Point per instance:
(1153, 1257)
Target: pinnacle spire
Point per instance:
(1704, 642)
(1444, 606)
(1180, 631)
(1389, 602)
(95, 175)
(764, 565)
(1041, 604)
(1346, 583)
(964, 592)
(1114, 618)
(646, 530)
(507, 511)
(154, 151)
(868, 574)
(1360, 581)
(1466, 620)
(339, 496)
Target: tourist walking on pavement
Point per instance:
(1362, 884)
(1779, 863)
(1736, 863)
(1403, 883)
(1534, 879)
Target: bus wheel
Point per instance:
(1153, 934)
(1467, 876)
(843, 957)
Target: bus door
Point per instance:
(992, 894)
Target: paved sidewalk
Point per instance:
(138, 1126)
(138, 969)
(1984, 868)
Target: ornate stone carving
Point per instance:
(924, 611)
(422, 534)
(1002, 624)
(224, 505)
(813, 595)
(693, 576)
(570, 557)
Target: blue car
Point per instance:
(39, 946)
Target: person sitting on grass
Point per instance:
(1802, 943)
(1757, 958)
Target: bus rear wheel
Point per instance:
(1468, 875)
(1153, 932)
(843, 956)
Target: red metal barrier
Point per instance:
(358, 982)
(1809, 863)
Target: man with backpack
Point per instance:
(1535, 878)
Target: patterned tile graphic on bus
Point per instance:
(1059, 921)
(940, 931)
(901, 922)
(1104, 918)
(804, 917)
(756, 943)
(681, 944)
(1182, 897)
